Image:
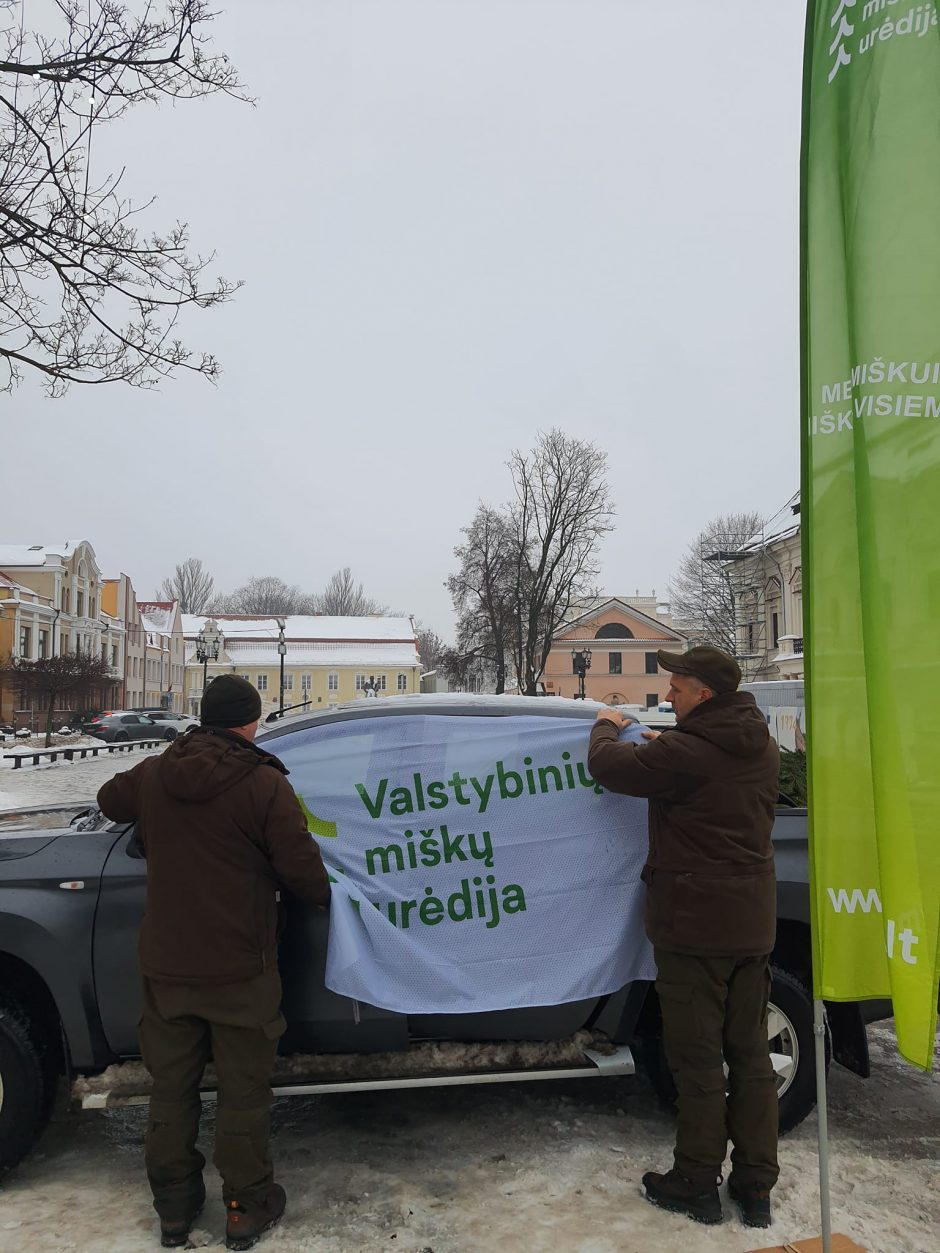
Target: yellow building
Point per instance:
(50, 605)
(119, 600)
(165, 659)
(326, 660)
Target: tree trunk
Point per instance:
(52, 697)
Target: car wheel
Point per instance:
(121, 738)
(792, 1050)
(23, 1093)
(171, 734)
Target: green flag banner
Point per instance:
(871, 502)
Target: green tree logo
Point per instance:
(315, 825)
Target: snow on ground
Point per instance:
(527, 1167)
(61, 780)
(533, 1168)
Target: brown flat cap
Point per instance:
(716, 669)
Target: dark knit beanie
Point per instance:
(230, 701)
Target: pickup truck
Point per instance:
(71, 898)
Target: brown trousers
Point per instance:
(182, 1027)
(715, 1011)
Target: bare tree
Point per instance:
(483, 594)
(265, 595)
(343, 597)
(430, 648)
(48, 679)
(702, 591)
(562, 509)
(191, 584)
(86, 294)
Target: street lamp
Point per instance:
(282, 649)
(581, 662)
(207, 649)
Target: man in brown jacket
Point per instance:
(712, 785)
(221, 829)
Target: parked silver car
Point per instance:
(182, 722)
(120, 725)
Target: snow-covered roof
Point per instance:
(157, 615)
(627, 609)
(349, 653)
(34, 554)
(784, 524)
(303, 627)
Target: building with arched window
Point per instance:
(623, 635)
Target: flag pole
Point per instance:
(819, 1014)
(822, 1124)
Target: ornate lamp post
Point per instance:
(282, 649)
(208, 642)
(581, 662)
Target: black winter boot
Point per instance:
(680, 1195)
(174, 1233)
(754, 1204)
(246, 1221)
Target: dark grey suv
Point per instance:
(71, 900)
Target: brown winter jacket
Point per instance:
(221, 830)
(712, 784)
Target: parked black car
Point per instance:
(70, 906)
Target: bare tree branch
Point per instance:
(702, 592)
(191, 584)
(524, 567)
(343, 597)
(85, 295)
(265, 595)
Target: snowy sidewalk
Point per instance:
(61, 780)
(526, 1168)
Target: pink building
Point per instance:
(623, 641)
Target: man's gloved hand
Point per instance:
(613, 716)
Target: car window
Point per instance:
(130, 720)
(143, 720)
(327, 761)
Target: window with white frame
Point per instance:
(381, 683)
(288, 682)
(403, 683)
(26, 645)
(262, 684)
(306, 682)
(360, 682)
(332, 683)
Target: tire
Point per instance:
(121, 738)
(171, 734)
(790, 1017)
(24, 1104)
(793, 1003)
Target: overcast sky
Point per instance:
(458, 222)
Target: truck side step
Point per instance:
(598, 1066)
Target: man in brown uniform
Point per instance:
(221, 829)
(712, 785)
